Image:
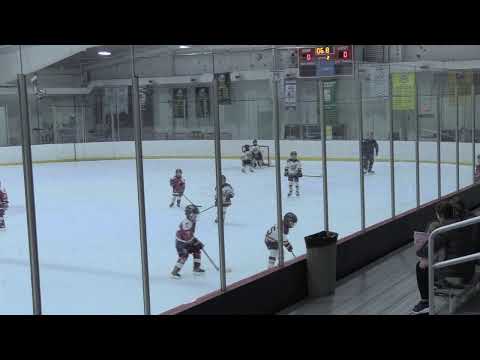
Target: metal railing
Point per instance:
(442, 264)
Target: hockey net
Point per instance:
(265, 150)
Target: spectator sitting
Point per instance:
(455, 243)
(461, 210)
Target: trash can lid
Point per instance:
(321, 239)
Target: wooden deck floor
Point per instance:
(385, 287)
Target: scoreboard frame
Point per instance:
(322, 62)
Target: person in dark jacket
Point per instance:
(461, 211)
(369, 151)
(455, 243)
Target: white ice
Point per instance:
(88, 237)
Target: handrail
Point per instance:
(455, 261)
(432, 266)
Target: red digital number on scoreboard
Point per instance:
(344, 55)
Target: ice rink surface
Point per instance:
(88, 237)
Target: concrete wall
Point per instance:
(307, 150)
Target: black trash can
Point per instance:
(321, 263)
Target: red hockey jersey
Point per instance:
(186, 231)
(178, 184)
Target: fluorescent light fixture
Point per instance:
(184, 47)
(104, 53)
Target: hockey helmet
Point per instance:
(255, 142)
(293, 154)
(290, 219)
(178, 172)
(224, 179)
(191, 212)
(246, 148)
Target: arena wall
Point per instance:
(308, 150)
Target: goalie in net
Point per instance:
(260, 154)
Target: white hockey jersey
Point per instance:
(248, 155)
(293, 167)
(272, 235)
(227, 194)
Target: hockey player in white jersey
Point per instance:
(293, 170)
(247, 158)
(271, 238)
(257, 155)
(227, 195)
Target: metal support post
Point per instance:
(137, 123)
(29, 194)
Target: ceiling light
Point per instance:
(104, 53)
(184, 47)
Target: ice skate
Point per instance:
(243, 170)
(289, 193)
(216, 221)
(171, 205)
(175, 274)
(297, 193)
(178, 203)
(371, 172)
(251, 170)
(197, 270)
(2, 225)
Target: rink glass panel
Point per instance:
(246, 116)
(449, 112)
(300, 131)
(428, 121)
(404, 109)
(376, 119)
(342, 118)
(466, 112)
(15, 285)
(87, 213)
(176, 131)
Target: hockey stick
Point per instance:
(213, 263)
(207, 209)
(190, 201)
(315, 176)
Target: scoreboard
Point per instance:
(325, 61)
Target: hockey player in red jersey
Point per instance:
(271, 238)
(3, 206)
(186, 243)
(477, 170)
(178, 187)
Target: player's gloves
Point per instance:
(300, 173)
(286, 172)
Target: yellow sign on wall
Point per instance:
(403, 91)
(329, 132)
